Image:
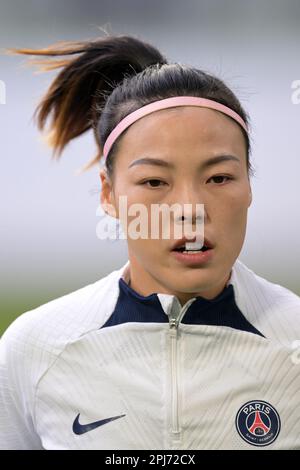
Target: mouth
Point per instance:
(187, 246)
(184, 253)
(183, 250)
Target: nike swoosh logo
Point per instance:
(83, 428)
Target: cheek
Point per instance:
(231, 217)
(237, 208)
(143, 231)
(135, 206)
(146, 250)
(132, 195)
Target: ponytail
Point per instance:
(90, 70)
(102, 81)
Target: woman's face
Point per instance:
(185, 138)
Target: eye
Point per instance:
(155, 183)
(220, 177)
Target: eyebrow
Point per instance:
(163, 163)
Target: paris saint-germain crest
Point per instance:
(258, 423)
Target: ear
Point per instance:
(107, 199)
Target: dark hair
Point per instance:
(109, 78)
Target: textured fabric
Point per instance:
(222, 310)
(104, 351)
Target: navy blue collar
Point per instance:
(222, 310)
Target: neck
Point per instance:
(145, 284)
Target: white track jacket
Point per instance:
(107, 368)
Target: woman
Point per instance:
(176, 349)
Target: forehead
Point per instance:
(182, 128)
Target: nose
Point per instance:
(192, 208)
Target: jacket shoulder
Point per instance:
(271, 308)
(47, 329)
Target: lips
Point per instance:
(179, 243)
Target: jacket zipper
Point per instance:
(174, 321)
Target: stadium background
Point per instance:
(48, 215)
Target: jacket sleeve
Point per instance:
(17, 431)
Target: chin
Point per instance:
(192, 287)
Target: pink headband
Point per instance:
(168, 103)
